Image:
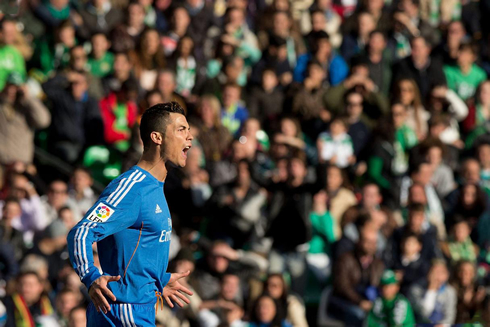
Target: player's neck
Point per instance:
(154, 164)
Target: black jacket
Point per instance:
(426, 78)
(430, 248)
(289, 214)
(74, 121)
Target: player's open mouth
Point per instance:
(184, 151)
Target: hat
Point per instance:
(15, 79)
(388, 278)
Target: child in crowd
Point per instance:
(411, 266)
(459, 245)
(100, 61)
(392, 308)
(336, 146)
(465, 77)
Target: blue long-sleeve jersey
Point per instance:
(132, 227)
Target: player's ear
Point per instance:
(156, 137)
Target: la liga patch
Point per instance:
(101, 213)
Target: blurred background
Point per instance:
(339, 175)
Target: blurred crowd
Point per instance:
(340, 169)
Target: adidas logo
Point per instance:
(158, 210)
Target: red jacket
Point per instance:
(107, 107)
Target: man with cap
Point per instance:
(392, 308)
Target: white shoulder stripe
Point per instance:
(136, 180)
(125, 186)
(122, 184)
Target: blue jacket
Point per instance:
(132, 227)
(337, 69)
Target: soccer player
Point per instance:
(132, 227)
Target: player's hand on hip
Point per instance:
(175, 291)
(98, 292)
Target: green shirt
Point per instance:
(464, 84)
(396, 312)
(323, 233)
(103, 66)
(10, 61)
(462, 251)
(121, 125)
(63, 13)
(405, 139)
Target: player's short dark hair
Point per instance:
(156, 119)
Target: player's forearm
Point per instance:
(80, 249)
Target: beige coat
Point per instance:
(343, 200)
(17, 126)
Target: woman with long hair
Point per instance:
(479, 112)
(148, 58)
(388, 162)
(407, 93)
(214, 137)
(471, 205)
(340, 197)
(288, 304)
(470, 294)
(265, 313)
(188, 76)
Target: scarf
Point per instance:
(23, 317)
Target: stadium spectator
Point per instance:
(410, 267)
(11, 210)
(233, 113)
(76, 118)
(434, 299)
(56, 199)
(321, 51)
(77, 317)
(459, 245)
(426, 72)
(101, 61)
(470, 294)
(266, 313)
(20, 116)
(80, 191)
(357, 274)
(391, 308)
(29, 303)
(276, 287)
(11, 60)
(291, 205)
(119, 112)
(465, 77)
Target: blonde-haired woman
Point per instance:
(408, 94)
(214, 137)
